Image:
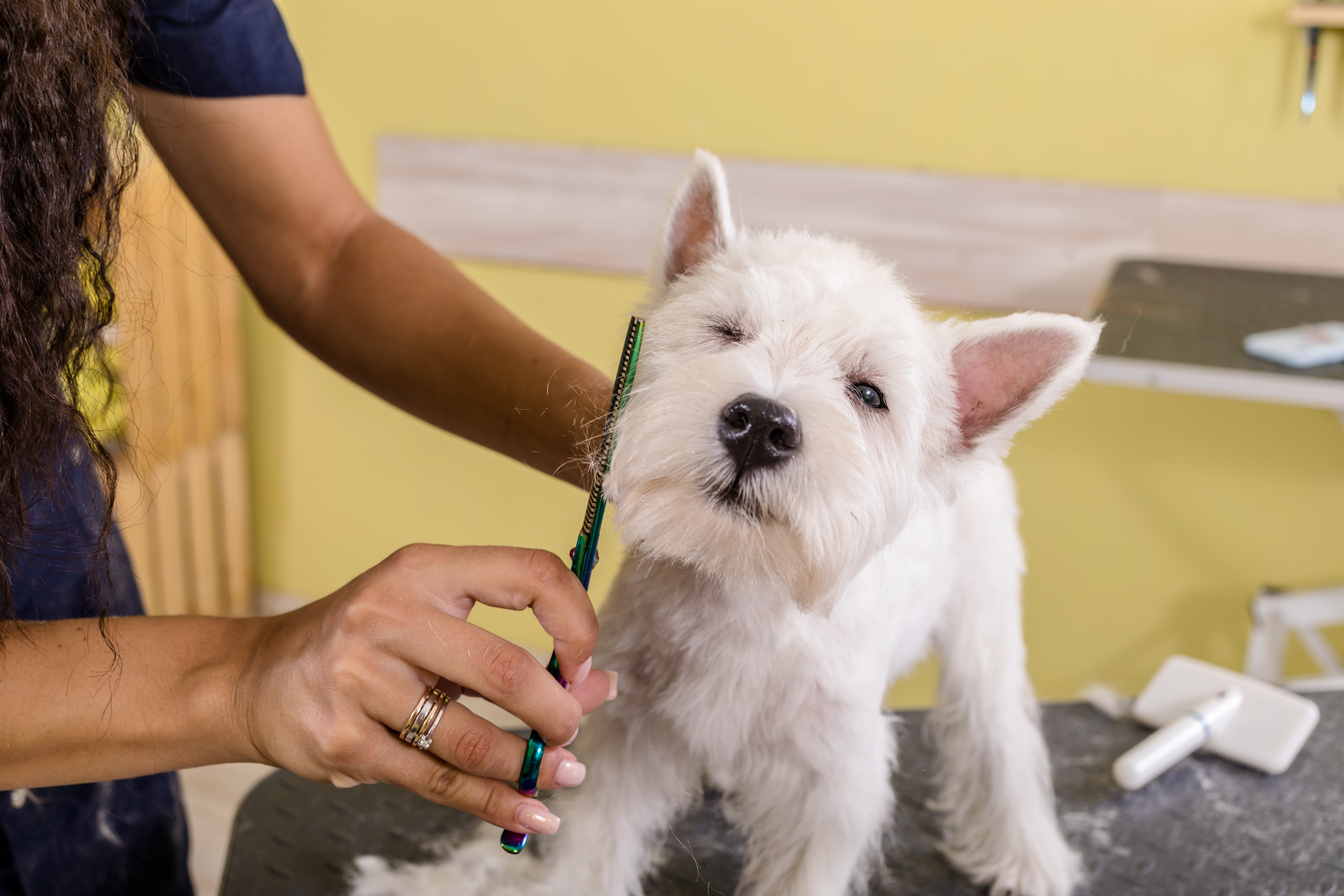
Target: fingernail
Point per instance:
(537, 820)
(611, 686)
(570, 773)
(581, 673)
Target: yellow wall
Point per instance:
(1150, 519)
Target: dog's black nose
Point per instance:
(759, 432)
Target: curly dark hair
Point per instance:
(68, 150)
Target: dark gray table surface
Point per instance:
(1206, 827)
(1197, 314)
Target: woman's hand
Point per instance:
(327, 688)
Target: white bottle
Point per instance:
(1175, 740)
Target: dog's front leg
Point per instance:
(640, 776)
(814, 805)
(1000, 826)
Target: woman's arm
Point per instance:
(73, 712)
(322, 691)
(362, 294)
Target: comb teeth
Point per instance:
(590, 512)
(634, 337)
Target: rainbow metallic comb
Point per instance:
(584, 556)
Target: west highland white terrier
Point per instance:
(809, 478)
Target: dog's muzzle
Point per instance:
(758, 433)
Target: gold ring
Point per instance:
(421, 723)
(417, 715)
(425, 737)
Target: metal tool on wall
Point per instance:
(1314, 17)
(1308, 104)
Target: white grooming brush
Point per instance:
(1197, 705)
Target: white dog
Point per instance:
(810, 482)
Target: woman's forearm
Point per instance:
(72, 710)
(403, 321)
(365, 296)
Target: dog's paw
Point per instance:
(373, 876)
(1037, 878)
(474, 869)
(1047, 868)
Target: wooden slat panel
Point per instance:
(136, 274)
(169, 409)
(183, 462)
(229, 448)
(169, 528)
(140, 279)
(133, 516)
(231, 399)
(171, 358)
(959, 240)
(203, 531)
(230, 457)
(200, 305)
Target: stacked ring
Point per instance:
(419, 728)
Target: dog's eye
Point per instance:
(728, 331)
(869, 395)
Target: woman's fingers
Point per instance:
(515, 579)
(597, 689)
(471, 744)
(493, 801)
(499, 670)
(477, 747)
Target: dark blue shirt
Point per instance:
(129, 837)
(214, 48)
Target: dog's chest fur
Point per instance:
(776, 666)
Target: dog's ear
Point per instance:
(1011, 370)
(699, 223)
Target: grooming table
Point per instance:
(1206, 827)
(1179, 328)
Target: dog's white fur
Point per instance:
(755, 637)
